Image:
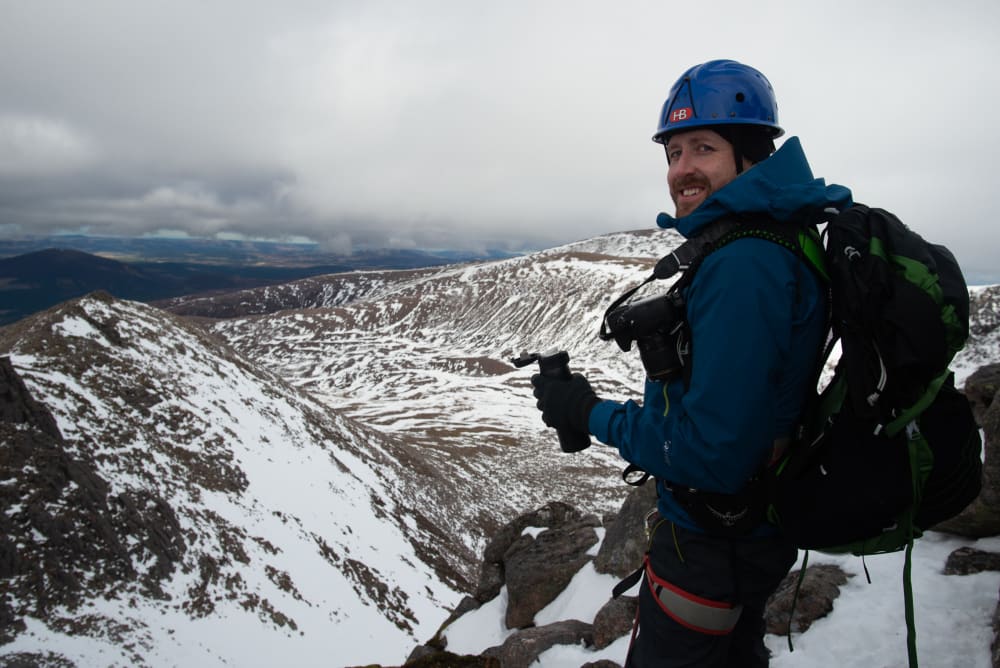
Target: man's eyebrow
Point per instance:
(689, 137)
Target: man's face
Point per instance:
(700, 162)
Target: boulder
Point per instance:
(968, 560)
(614, 620)
(625, 541)
(425, 657)
(982, 517)
(492, 570)
(524, 647)
(820, 587)
(539, 568)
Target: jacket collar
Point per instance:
(782, 187)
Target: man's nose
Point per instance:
(681, 165)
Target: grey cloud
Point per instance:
(466, 124)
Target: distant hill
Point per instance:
(36, 280)
(243, 253)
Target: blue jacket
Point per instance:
(757, 318)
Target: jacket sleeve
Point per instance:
(715, 434)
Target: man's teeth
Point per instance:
(688, 192)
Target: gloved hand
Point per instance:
(565, 404)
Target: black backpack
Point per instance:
(888, 447)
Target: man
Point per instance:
(756, 316)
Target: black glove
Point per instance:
(565, 404)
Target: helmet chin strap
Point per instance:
(732, 137)
(740, 156)
(737, 153)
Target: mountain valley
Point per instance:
(336, 452)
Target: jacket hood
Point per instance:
(782, 186)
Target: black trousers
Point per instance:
(738, 572)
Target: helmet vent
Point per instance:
(740, 97)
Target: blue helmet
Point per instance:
(716, 93)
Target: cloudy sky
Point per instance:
(460, 123)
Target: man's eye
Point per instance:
(705, 148)
(673, 155)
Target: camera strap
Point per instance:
(677, 261)
(691, 250)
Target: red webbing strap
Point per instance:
(694, 612)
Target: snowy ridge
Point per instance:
(314, 292)
(294, 550)
(330, 453)
(650, 243)
(428, 360)
(338, 449)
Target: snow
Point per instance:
(264, 541)
(578, 600)
(404, 374)
(952, 613)
(865, 629)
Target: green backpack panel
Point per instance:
(890, 447)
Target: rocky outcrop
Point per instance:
(539, 568)
(625, 541)
(538, 553)
(511, 544)
(982, 517)
(523, 558)
(18, 407)
(423, 658)
(65, 538)
(536, 556)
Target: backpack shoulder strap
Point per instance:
(801, 239)
(694, 249)
(689, 254)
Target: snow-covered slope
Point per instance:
(332, 472)
(335, 456)
(296, 547)
(428, 361)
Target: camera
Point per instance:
(658, 327)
